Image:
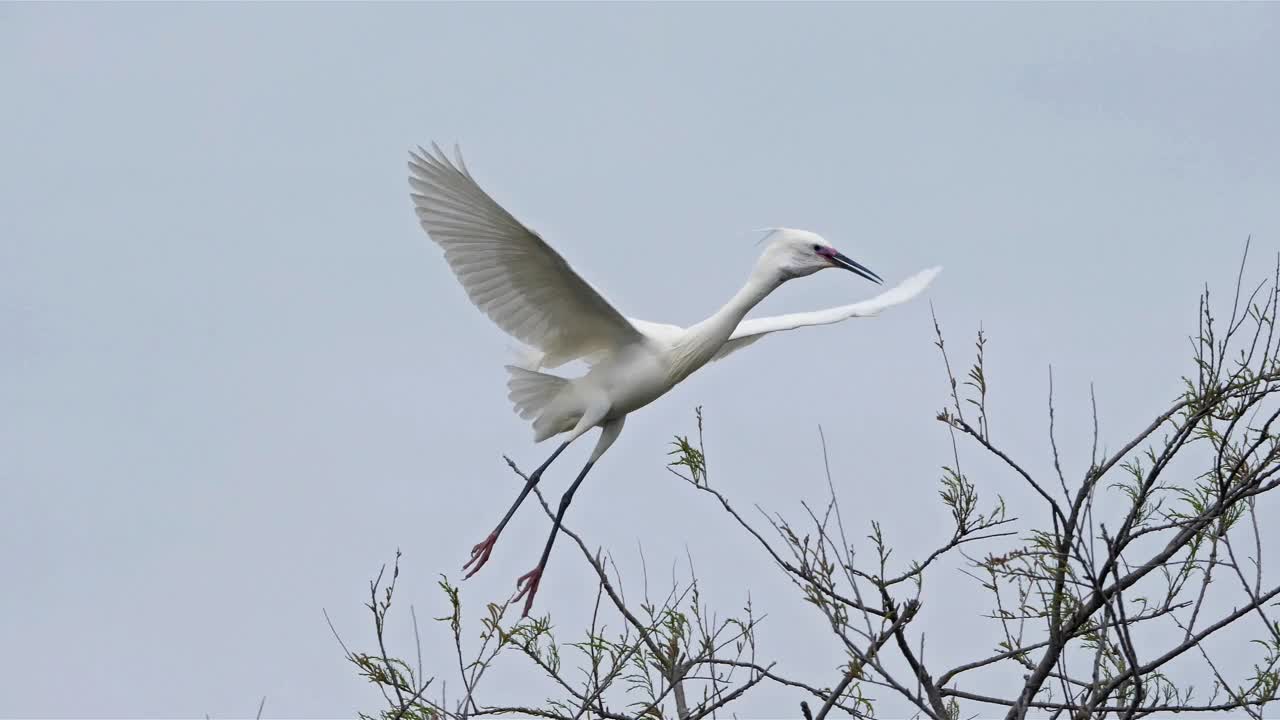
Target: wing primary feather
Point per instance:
(506, 269)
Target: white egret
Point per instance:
(525, 287)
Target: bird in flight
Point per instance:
(529, 291)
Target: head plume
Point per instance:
(768, 233)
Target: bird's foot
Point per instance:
(480, 554)
(527, 587)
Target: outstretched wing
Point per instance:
(751, 330)
(507, 270)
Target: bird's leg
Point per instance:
(527, 584)
(480, 553)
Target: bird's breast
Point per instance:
(632, 381)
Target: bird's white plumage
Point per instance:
(531, 292)
(508, 271)
(752, 329)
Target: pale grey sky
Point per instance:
(236, 375)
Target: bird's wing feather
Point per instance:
(514, 277)
(751, 330)
(660, 334)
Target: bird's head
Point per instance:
(796, 253)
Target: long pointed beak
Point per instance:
(855, 267)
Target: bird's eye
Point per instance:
(817, 248)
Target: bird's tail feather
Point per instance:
(531, 394)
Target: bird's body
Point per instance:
(639, 373)
(635, 374)
(531, 292)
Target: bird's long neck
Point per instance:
(702, 341)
